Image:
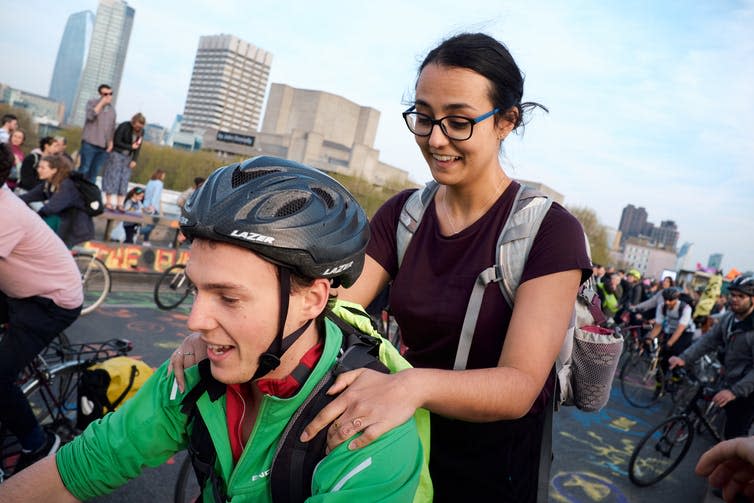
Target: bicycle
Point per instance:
(172, 287)
(50, 383)
(95, 279)
(663, 448)
(643, 382)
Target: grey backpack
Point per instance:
(587, 361)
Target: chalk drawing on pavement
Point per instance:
(577, 487)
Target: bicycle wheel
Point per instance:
(95, 278)
(172, 287)
(51, 389)
(641, 380)
(186, 486)
(660, 451)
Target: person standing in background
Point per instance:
(97, 136)
(152, 202)
(126, 147)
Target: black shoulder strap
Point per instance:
(134, 372)
(294, 461)
(201, 449)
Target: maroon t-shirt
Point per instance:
(495, 461)
(431, 290)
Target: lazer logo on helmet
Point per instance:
(252, 236)
(337, 270)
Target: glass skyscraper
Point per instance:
(107, 54)
(70, 60)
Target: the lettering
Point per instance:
(337, 269)
(252, 236)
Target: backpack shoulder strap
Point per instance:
(513, 245)
(200, 447)
(516, 238)
(294, 462)
(411, 216)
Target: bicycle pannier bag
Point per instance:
(105, 386)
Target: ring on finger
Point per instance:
(188, 353)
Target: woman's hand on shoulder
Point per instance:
(191, 351)
(369, 402)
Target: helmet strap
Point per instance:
(270, 359)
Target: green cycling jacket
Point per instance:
(150, 428)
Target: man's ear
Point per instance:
(315, 298)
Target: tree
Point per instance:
(595, 231)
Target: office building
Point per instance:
(228, 85)
(41, 109)
(715, 261)
(107, 54)
(633, 221)
(666, 235)
(70, 60)
(316, 128)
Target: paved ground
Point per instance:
(591, 449)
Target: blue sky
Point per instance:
(651, 102)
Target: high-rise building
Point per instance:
(633, 220)
(107, 54)
(666, 234)
(227, 86)
(70, 61)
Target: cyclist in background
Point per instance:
(673, 318)
(733, 335)
(40, 295)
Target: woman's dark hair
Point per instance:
(487, 57)
(158, 174)
(47, 140)
(132, 192)
(62, 164)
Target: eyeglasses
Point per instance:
(107, 94)
(455, 127)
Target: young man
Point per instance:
(734, 335)
(97, 135)
(40, 296)
(269, 240)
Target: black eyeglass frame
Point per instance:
(411, 111)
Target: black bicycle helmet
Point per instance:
(293, 215)
(743, 284)
(671, 293)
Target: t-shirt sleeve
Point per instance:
(560, 245)
(382, 244)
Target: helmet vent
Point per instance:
(325, 195)
(291, 207)
(241, 177)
